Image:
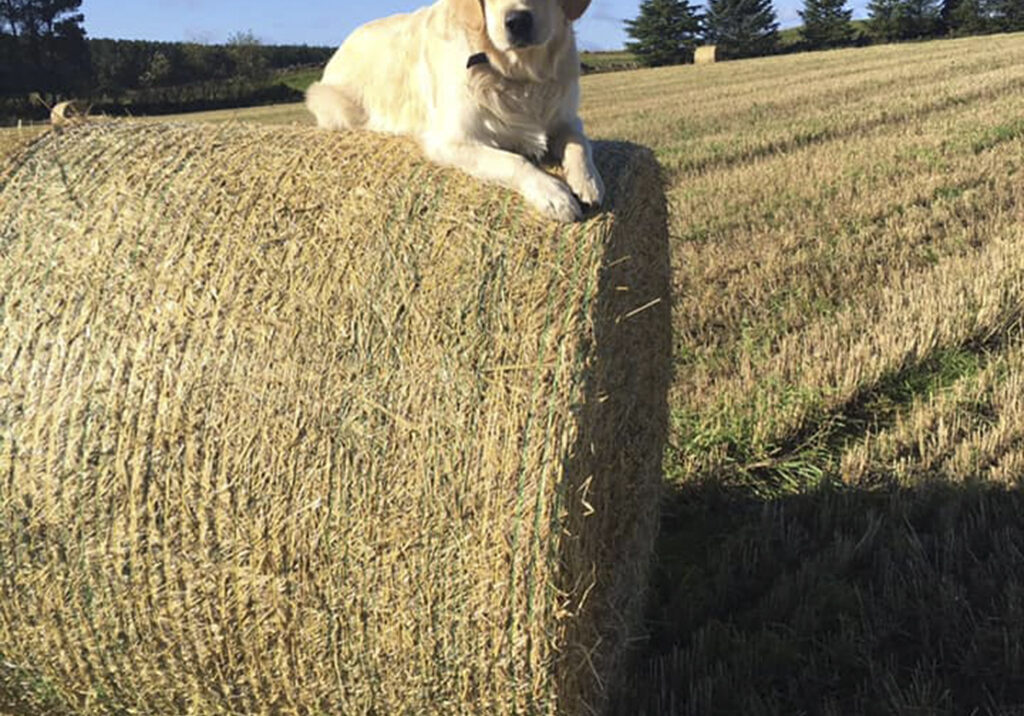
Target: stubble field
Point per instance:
(844, 530)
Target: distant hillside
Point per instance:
(790, 39)
(608, 61)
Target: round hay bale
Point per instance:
(68, 113)
(296, 422)
(705, 55)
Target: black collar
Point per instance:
(479, 58)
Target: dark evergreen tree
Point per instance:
(949, 8)
(826, 23)
(920, 18)
(741, 28)
(43, 47)
(965, 17)
(890, 20)
(664, 33)
(883, 20)
(1007, 15)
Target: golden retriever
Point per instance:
(488, 86)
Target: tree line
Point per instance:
(44, 53)
(121, 65)
(668, 31)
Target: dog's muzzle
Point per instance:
(519, 28)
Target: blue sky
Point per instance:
(323, 22)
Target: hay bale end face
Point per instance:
(295, 422)
(705, 55)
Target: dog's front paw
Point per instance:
(586, 183)
(552, 197)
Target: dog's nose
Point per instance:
(519, 25)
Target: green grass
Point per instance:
(790, 36)
(300, 79)
(812, 456)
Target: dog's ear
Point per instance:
(574, 8)
(468, 13)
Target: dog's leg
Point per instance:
(572, 148)
(333, 107)
(546, 193)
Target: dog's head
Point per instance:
(518, 24)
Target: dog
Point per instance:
(488, 86)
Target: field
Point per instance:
(844, 530)
(847, 230)
(608, 61)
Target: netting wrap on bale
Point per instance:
(296, 422)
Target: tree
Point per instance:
(826, 23)
(741, 28)
(159, 71)
(1007, 15)
(883, 21)
(920, 18)
(44, 46)
(664, 33)
(965, 17)
(12, 16)
(250, 62)
(904, 19)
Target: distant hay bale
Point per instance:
(68, 113)
(295, 422)
(705, 55)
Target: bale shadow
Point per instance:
(844, 601)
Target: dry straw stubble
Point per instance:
(295, 422)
